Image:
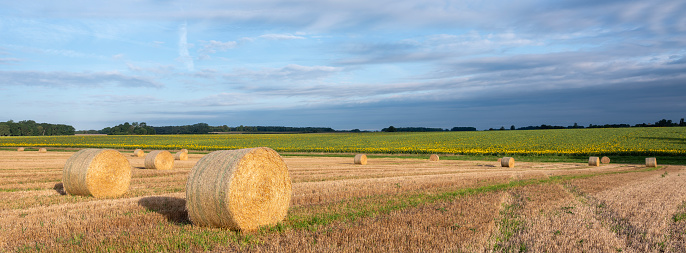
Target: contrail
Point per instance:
(184, 56)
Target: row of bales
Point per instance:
(237, 189)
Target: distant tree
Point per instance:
(682, 123)
(502, 128)
(391, 129)
(4, 129)
(512, 127)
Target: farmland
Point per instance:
(570, 142)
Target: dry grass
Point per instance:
(627, 211)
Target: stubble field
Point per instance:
(390, 204)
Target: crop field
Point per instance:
(667, 141)
(390, 204)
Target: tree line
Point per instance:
(660, 123)
(31, 128)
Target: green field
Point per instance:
(567, 142)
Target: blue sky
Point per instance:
(343, 64)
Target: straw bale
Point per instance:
(43, 150)
(20, 149)
(182, 156)
(159, 160)
(500, 160)
(507, 162)
(605, 159)
(651, 162)
(138, 153)
(240, 189)
(593, 161)
(360, 159)
(184, 150)
(433, 157)
(101, 173)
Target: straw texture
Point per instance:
(20, 149)
(43, 150)
(360, 159)
(100, 173)
(181, 156)
(605, 159)
(159, 160)
(593, 161)
(507, 162)
(434, 157)
(651, 162)
(138, 153)
(184, 150)
(239, 189)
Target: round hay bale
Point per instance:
(43, 150)
(507, 162)
(593, 161)
(360, 159)
(20, 149)
(182, 156)
(100, 173)
(159, 160)
(138, 153)
(433, 157)
(605, 159)
(184, 150)
(240, 189)
(651, 162)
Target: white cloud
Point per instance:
(184, 56)
(281, 37)
(214, 46)
(71, 79)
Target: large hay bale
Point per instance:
(43, 150)
(138, 153)
(507, 162)
(360, 159)
(159, 160)
(239, 189)
(184, 150)
(182, 156)
(433, 157)
(605, 159)
(20, 149)
(651, 162)
(100, 173)
(593, 161)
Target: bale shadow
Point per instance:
(174, 209)
(59, 188)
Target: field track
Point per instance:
(389, 204)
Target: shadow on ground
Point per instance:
(174, 209)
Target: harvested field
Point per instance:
(390, 204)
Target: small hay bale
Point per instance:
(101, 173)
(181, 156)
(240, 189)
(605, 159)
(507, 162)
(138, 153)
(433, 157)
(159, 160)
(20, 149)
(651, 162)
(360, 159)
(500, 160)
(43, 150)
(593, 161)
(184, 150)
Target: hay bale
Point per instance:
(20, 149)
(159, 160)
(100, 173)
(500, 160)
(181, 156)
(138, 153)
(593, 161)
(651, 162)
(433, 157)
(184, 150)
(507, 162)
(360, 159)
(239, 189)
(43, 150)
(605, 159)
